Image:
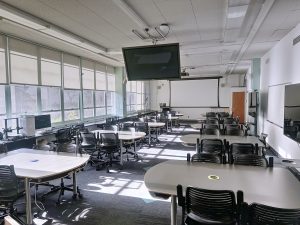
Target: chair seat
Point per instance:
(193, 219)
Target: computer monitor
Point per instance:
(42, 121)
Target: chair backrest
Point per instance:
(210, 126)
(217, 205)
(210, 114)
(214, 146)
(141, 127)
(88, 139)
(126, 126)
(229, 120)
(206, 157)
(212, 120)
(250, 160)
(242, 148)
(63, 135)
(8, 184)
(266, 215)
(233, 130)
(223, 114)
(109, 140)
(110, 127)
(209, 131)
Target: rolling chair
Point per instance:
(259, 214)
(11, 188)
(209, 207)
(250, 160)
(109, 144)
(204, 157)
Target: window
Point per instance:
(50, 67)
(23, 62)
(135, 95)
(71, 104)
(2, 61)
(100, 103)
(100, 77)
(71, 72)
(2, 105)
(23, 99)
(110, 101)
(88, 79)
(51, 103)
(88, 103)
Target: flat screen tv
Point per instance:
(155, 62)
(42, 121)
(291, 125)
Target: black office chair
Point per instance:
(143, 127)
(204, 157)
(90, 145)
(234, 130)
(242, 148)
(209, 207)
(212, 120)
(129, 144)
(258, 214)
(109, 143)
(210, 131)
(250, 160)
(63, 140)
(214, 146)
(210, 114)
(11, 188)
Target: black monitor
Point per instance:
(152, 62)
(42, 121)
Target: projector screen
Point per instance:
(194, 93)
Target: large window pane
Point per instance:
(24, 99)
(71, 72)
(71, 99)
(111, 82)
(23, 62)
(50, 98)
(2, 61)
(88, 113)
(88, 80)
(72, 115)
(55, 117)
(110, 101)
(100, 98)
(2, 100)
(88, 100)
(100, 112)
(100, 77)
(50, 67)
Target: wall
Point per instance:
(160, 93)
(279, 66)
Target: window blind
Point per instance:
(71, 72)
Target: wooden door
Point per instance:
(238, 105)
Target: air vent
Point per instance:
(296, 40)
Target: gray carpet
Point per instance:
(118, 197)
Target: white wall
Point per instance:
(160, 93)
(280, 66)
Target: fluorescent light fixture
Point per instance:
(237, 11)
(138, 34)
(131, 13)
(15, 16)
(10, 14)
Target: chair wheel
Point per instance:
(74, 196)
(57, 203)
(107, 170)
(80, 196)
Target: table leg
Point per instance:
(28, 202)
(121, 152)
(173, 210)
(74, 184)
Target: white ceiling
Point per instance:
(216, 37)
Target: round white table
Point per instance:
(124, 136)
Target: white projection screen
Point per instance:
(194, 93)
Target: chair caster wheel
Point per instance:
(74, 196)
(57, 203)
(80, 196)
(36, 215)
(107, 170)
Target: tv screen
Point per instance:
(291, 125)
(160, 62)
(42, 121)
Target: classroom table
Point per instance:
(274, 186)
(37, 166)
(156, 126)
(123, 136)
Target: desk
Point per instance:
(192, 139)
(156, 126)
(123, 136)
(274, 186)
(41, 166)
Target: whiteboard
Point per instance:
(194, 93)
(276, 104)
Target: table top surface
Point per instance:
(123, 135)
(156, 124)
(192, 138)
(38, 164)
(274, 186)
